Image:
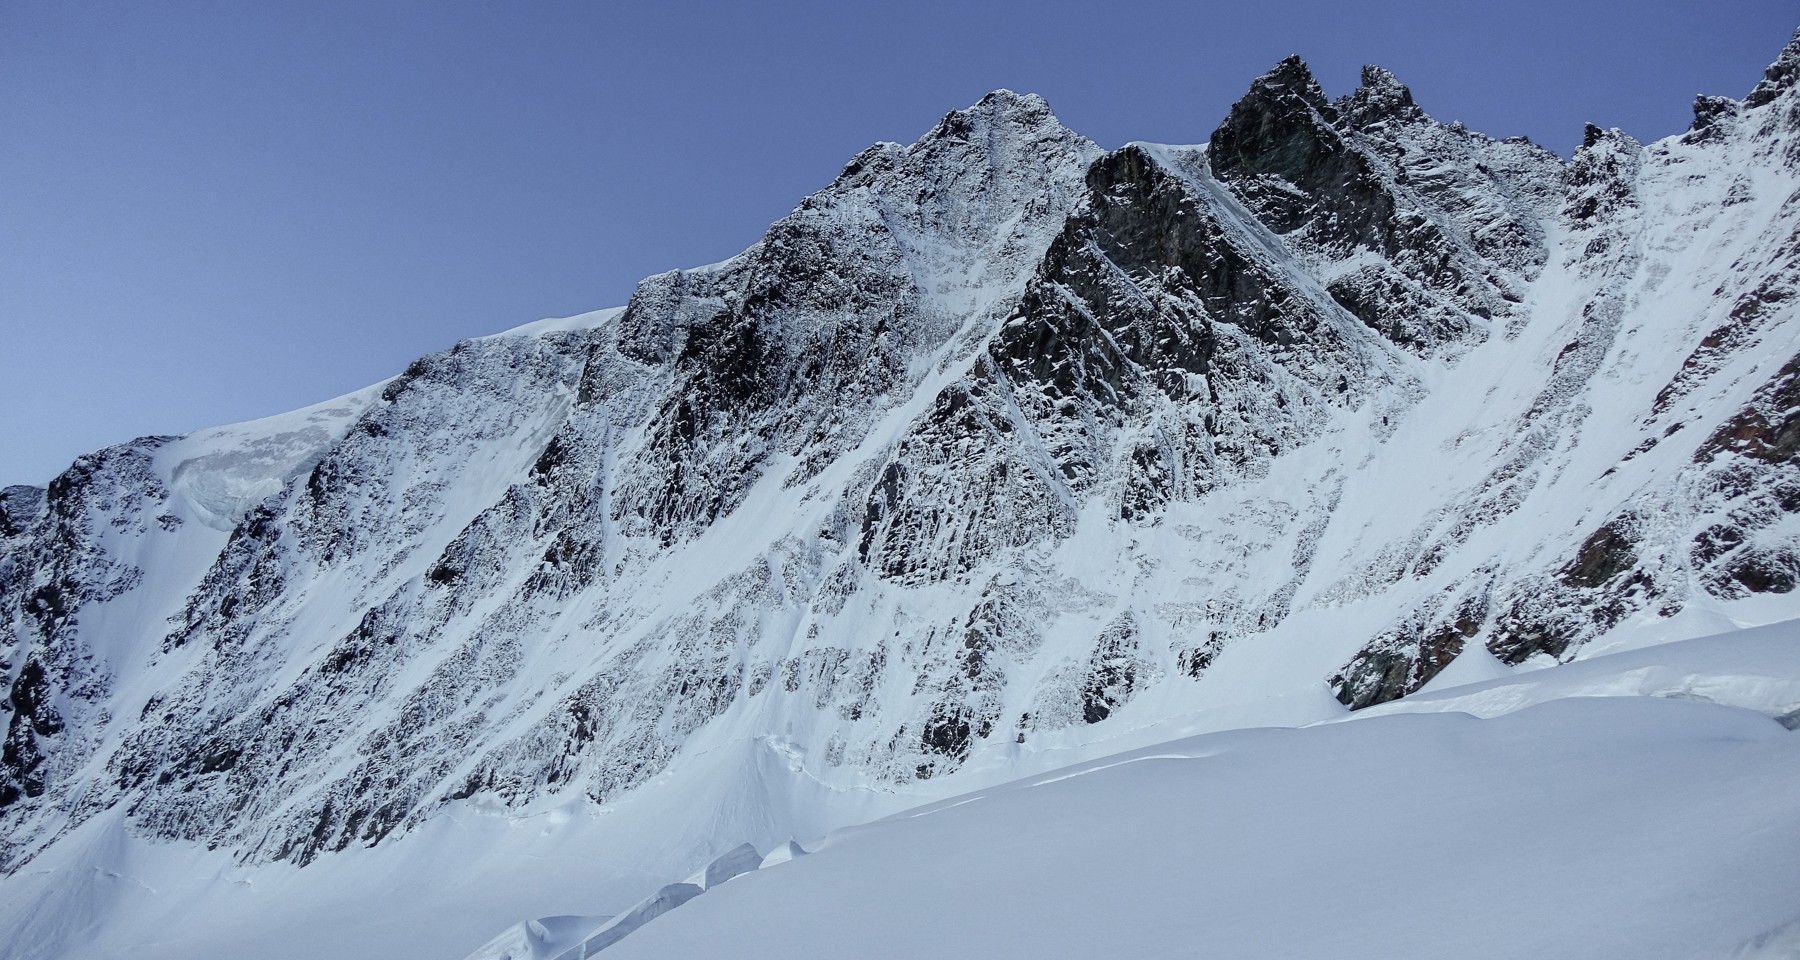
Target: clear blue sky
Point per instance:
(212, 212)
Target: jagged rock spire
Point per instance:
(1782, 75)
(1381, 97)
(1602, 175)
(1711, 114)
(1281, 126)
(1291, 77)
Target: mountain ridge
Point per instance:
(996, 438)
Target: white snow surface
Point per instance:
(1621, 827)
(220, 473)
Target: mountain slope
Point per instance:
(998, 447)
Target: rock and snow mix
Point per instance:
(1000, 452)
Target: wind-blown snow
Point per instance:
(1607, 828)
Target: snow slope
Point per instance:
(1618, 795)
(1634, 805)
(999, 452)
(1618, 827)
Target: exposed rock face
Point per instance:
(1406, 656)
(1780, 78)
(57, 566)
(996, 438)
(1426, 231)
(849, 298)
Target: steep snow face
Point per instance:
(997, 447)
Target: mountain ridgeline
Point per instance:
(998, 437)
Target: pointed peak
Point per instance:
(1381, 97)
(1379, 79)
(1283, 126)
(1001, 107)
(1007, 102)
(1290, 77)
(1027, 109)
(1782, 75)
(1288, 68)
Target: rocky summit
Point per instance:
(999, 447)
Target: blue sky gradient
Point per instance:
(211, 212)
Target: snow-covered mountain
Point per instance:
(1000, 452)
